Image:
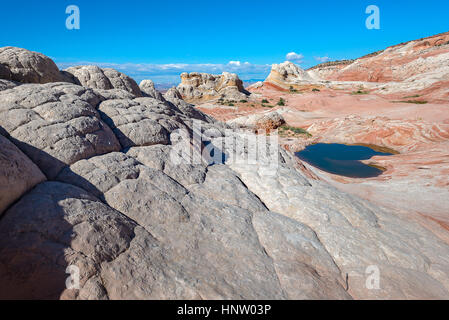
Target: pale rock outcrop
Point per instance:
(142, 121)
(103, 78)
(173, 96)
(161, 157)
(191, 227)
(148, 89)
(201, 87)
(270, 120)
(288, 75)
(52, 227)
(17, 173)
(257, 85)
(55, 124)
(26, 66)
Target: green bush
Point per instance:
(286, 128)
(315, 90)
(412, 101)
(281, 102)
(359, 92)
(265, 101)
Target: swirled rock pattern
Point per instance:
(135, 208)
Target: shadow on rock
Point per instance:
(39, 236)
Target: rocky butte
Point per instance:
(202, 87)
(89, 180)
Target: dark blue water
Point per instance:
(341, 159)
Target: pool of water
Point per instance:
(341, 159)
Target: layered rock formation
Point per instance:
(288, 75)
(412, 66)
(201, 87)
(143, 212)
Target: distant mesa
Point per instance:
(201, 87)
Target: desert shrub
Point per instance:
(285, 129)
(281, 102)
(413, 101)
(359, 92)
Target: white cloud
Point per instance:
(322, 59)
(294, 57)
(171, 72)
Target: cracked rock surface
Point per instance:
(26, 66)
(95, 182)
(106, 79)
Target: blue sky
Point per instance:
(160, 39)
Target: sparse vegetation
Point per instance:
(293, 90)
(243, 101)
(359, 92)
(281, 102)
(376, 148)
(265, 101)
(316, 90)
(231, 104)
(412, 101)
(287, 131)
